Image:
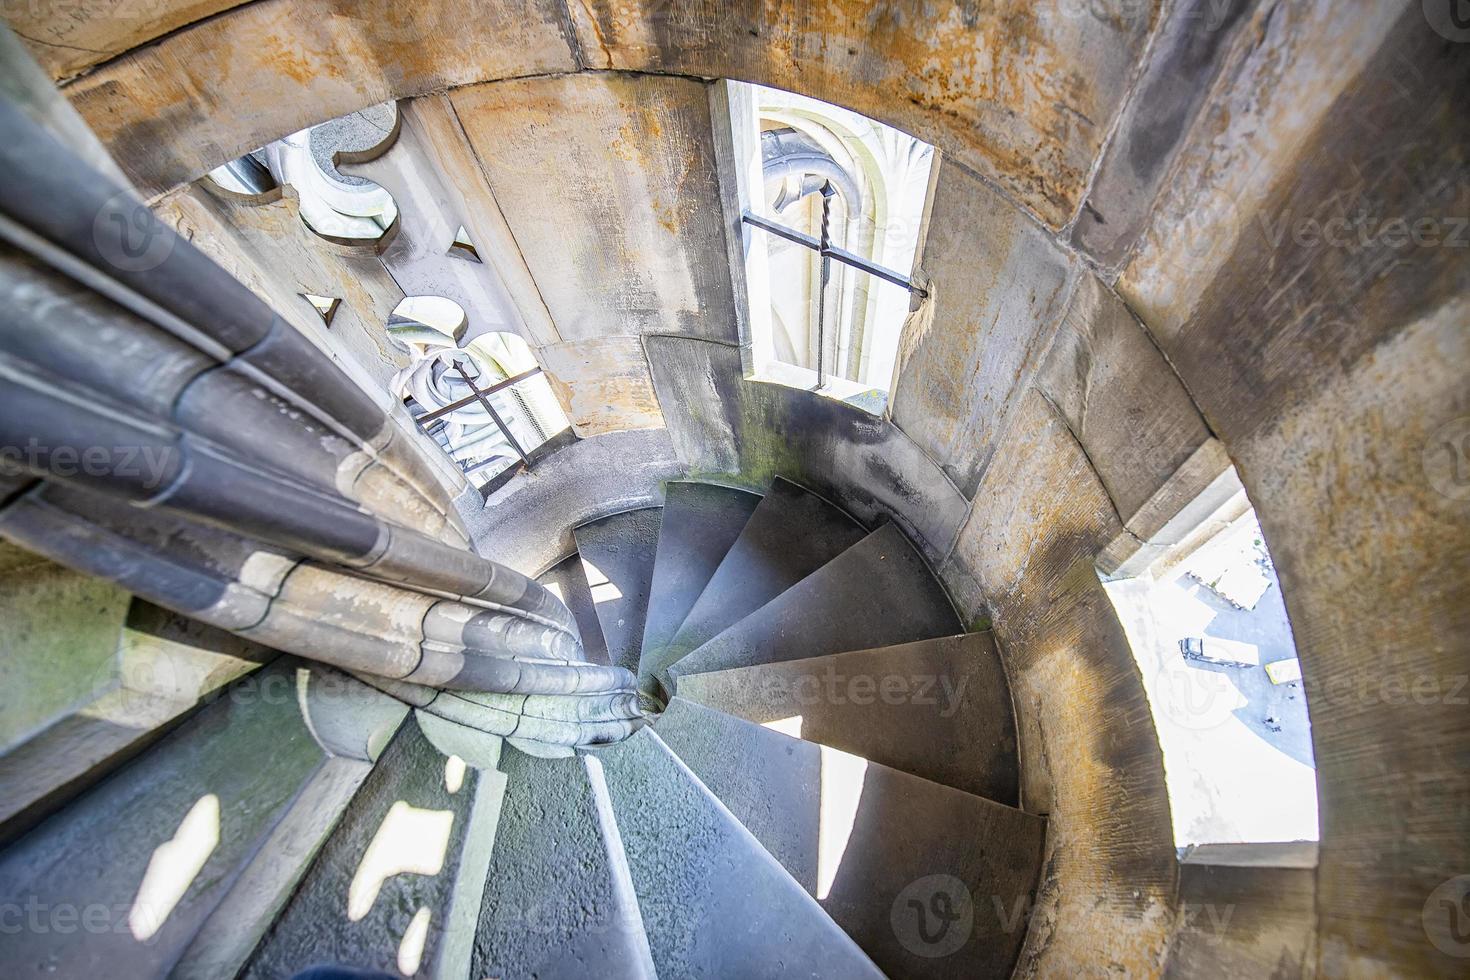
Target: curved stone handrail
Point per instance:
(221, 466)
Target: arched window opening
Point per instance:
(833, 204)
(484, 401)
(1208, 627)
(339, 207)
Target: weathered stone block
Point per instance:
(604, 383)
(1302, 274)
(1189, 47)
(163, 112)
(91, 33)
(1119, 397)
(1241, 921)
(1021, 92)
(608, 183)
(1000, 288)
(1040, 517)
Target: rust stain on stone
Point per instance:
(1021, 93)
(69, 37)
(291, 63)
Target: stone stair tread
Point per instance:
(867, 840)
(714, 901)
(791, 534)
(200, 791)
(939, 708)
(701, 521)
(568, 580)
(551, 905)
(227, 939)
(387, 913)
(876, 593)
(618, 555)
(692, 849)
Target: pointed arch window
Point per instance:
(832, 203)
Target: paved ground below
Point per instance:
(1237, 748)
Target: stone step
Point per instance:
(618, 555)
(149, 677)
(940, 708)
(128, 878)
(930, 881)
(701, 522)
(226, 940)
(715, 903)
(791, 534)
(556, 901)
(387, 884)
(877, 593)
(567, 579)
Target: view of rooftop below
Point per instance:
(1205, 628)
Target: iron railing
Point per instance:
(482, 396)
(823, 246)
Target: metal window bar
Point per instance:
(481, 395)
(455, 406)
(826, 277)
(823, 246)
(494, 415)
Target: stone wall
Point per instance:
(1147, 245)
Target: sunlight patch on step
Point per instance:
(786, 726)
(173, 867)
(602, 589)
(411, 949)
(408, 841)
(453, 773)
(842, 791)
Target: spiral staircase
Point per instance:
(738, 673)
(718, 841)
(409, 759)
